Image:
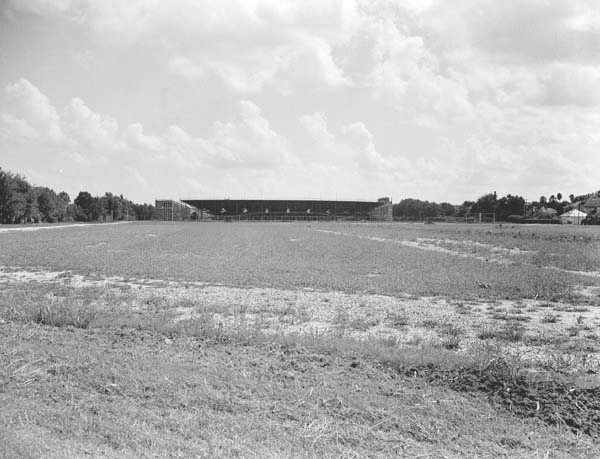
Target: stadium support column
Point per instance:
(383, 213)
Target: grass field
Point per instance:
(300, 340)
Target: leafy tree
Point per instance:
(143, 211)
(509, 205)
(48, 204)
(32, 211)
(465, 208)
(13, 197)
(90, 207)
(447, 210)
(485, 204)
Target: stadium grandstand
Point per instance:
(278, 209)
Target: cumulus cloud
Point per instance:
(137, 138)
(31, 112)
(368, 158)
(12, 127)
(185, 67)
(379, 92)
(88, 127)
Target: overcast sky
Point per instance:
(439, 100)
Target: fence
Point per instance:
(469, 218)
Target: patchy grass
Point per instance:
(262, 256)
(550, 318)
(161, 362)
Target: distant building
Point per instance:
(573, 217)
(592, 205)
(171, 210)
(279, 210)
(546, 212)
(384, 211)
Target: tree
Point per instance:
(465, 208)
(48, 204)
(85, 202)
(447, 210)
(485, 204)
(559, 196)
(32, 211)
(543, 200)
(14, 190)
(64, 197)
(509, 205)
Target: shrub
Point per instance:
(514, 219)
(550, 318)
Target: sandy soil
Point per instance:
(405, 320)
(39, 228)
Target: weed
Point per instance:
(511, 317)
(430, 323)
(550, 318)
(543, 339)
(363, 323)
(397, 319)
(512, 332)
(415, 340)
(572, 331)
(462, 308)
(487, 332)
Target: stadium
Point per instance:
(278, 209)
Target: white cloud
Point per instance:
(12, 127)
(26, 102)
(88, 127)
(407, 74)
(248, 142)
(137, 138)
(185, 67)
(249, 45)
(370, 160)
(466, 89)
(316, 126)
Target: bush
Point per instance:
(514, 219)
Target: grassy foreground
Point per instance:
(165, 340)
(87, 380)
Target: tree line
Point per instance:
(506, 208)
(21, 202)
(503, 208)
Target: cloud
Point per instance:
(316, 127)
(353, 152)
(249, 46)
(38, 117)
(17, 128)
(89, 128)
(137, 138)
(369, 159)
(185, 67)
(248, 142)
(433, 98)
(406, 73)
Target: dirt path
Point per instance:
(70, 225)
(432, 245)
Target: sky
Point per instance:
(351, 99)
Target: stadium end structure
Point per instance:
(275, 210)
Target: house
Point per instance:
(546, 213)
(592, 205)
(573, 217)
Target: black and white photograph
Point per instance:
(299, 229)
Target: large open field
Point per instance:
(300, 340)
